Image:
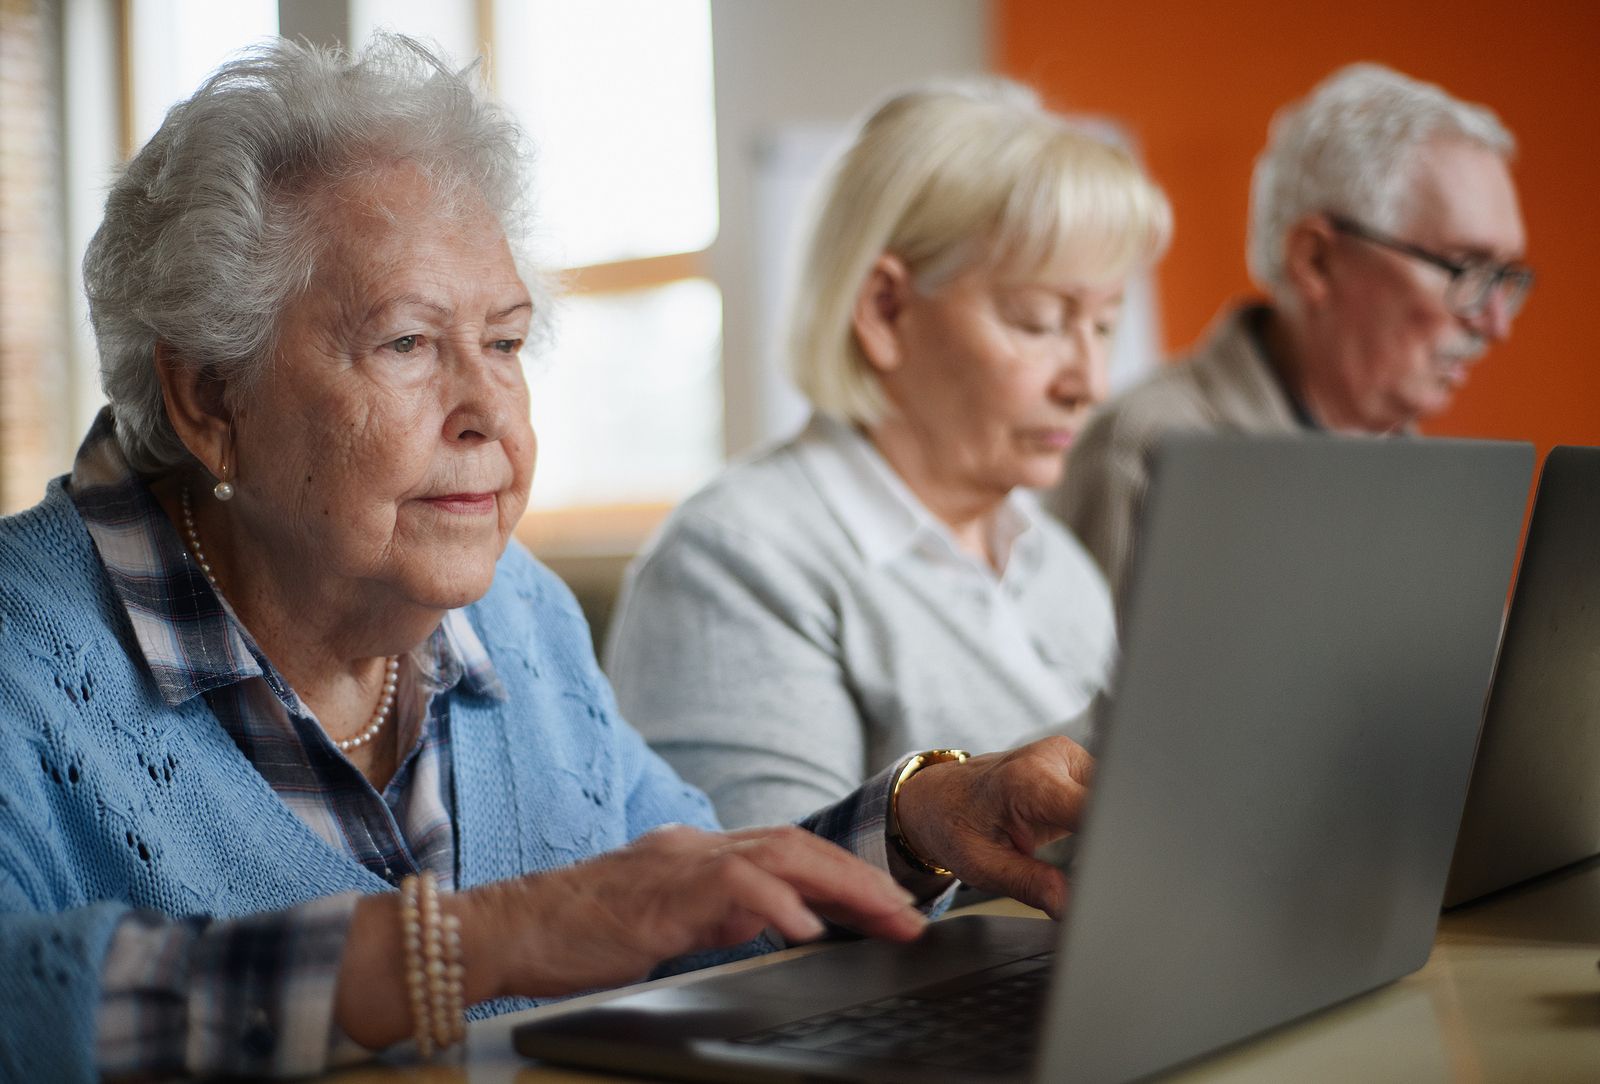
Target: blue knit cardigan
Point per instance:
(111, 800)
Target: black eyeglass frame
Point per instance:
(1515, 279)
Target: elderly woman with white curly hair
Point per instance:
(303, 755)
(884, 574)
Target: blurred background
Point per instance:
(679, 141)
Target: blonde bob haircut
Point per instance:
(953, 177)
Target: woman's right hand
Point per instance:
(611, 919)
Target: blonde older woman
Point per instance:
(301, 753)
(877, 584)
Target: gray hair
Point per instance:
(949, 177)
(1348, 148)
(213, 227)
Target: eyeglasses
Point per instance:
(1471, 281)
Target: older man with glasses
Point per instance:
(1385, 231)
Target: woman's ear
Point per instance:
(1307, 257)
(194, 402)
(880, 306)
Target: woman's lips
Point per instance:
(463, 504)
(1053, 439)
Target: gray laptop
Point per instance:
(1534, 803)
(1311, 627)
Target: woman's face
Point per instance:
(388, 446)
(997, 372)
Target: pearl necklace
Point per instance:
(391, 667)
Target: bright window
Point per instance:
(450, 24)
(617, 97)
(174, 44)
(628, 406)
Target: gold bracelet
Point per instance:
(911, 768)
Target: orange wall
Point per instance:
(1197, 83)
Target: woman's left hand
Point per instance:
(983, 818)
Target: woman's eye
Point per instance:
(507, 346)
(1105, 329)
(405, 344)
(1038, 327)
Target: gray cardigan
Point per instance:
(802, 622)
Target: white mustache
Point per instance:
(1464, 352)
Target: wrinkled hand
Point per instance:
(611, 919)
(984, 818)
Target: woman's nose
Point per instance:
(1082, 375)
(482, 403)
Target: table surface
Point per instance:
(1511, 992)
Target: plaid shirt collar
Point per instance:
(190, 637)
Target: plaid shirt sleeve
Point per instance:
(254, 996)
(239, 997)
(859, 822)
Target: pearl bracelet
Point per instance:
(416, 977)
(435, 976)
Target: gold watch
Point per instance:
(911, 768)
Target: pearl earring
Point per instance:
(223, 490)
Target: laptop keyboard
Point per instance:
(987, 1020)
